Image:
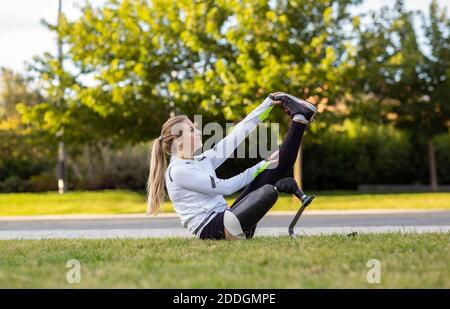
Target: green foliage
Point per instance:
(15, 90)
(409, 87)
(126, 168)
(22, 155)
(23, 151)
(442, 143)
(217, 58)
(132, 63)
(406, 86)
(357, 153)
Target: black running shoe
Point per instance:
(294, 106)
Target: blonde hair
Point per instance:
(158, 164)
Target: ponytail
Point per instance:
(155, 183)
(158, 165)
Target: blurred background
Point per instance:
(86, 85)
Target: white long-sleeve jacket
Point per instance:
(193, 186)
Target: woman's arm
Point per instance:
(224, 148)
(192, 178)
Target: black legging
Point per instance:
(287, 155)
(288, 151)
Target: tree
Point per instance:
(15, 89)
(134, 62)
(208, 56)
(21, 152)
(437, 78)
(402, 80)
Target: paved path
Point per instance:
(311, 223)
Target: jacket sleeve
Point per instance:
(224, 148)
(192, 178)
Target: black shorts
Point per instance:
(215, 228)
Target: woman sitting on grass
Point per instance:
(195, 190)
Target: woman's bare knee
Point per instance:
(229, 236)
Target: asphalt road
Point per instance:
(136, 226)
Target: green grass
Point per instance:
(407, 261)
(125, 202)
(77, 202)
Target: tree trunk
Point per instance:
(74, 166)
(432, 165)
(87, 155)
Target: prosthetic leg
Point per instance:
(289, 185)
(243, 216)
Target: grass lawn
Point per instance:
(407, 261)
(125, 202)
